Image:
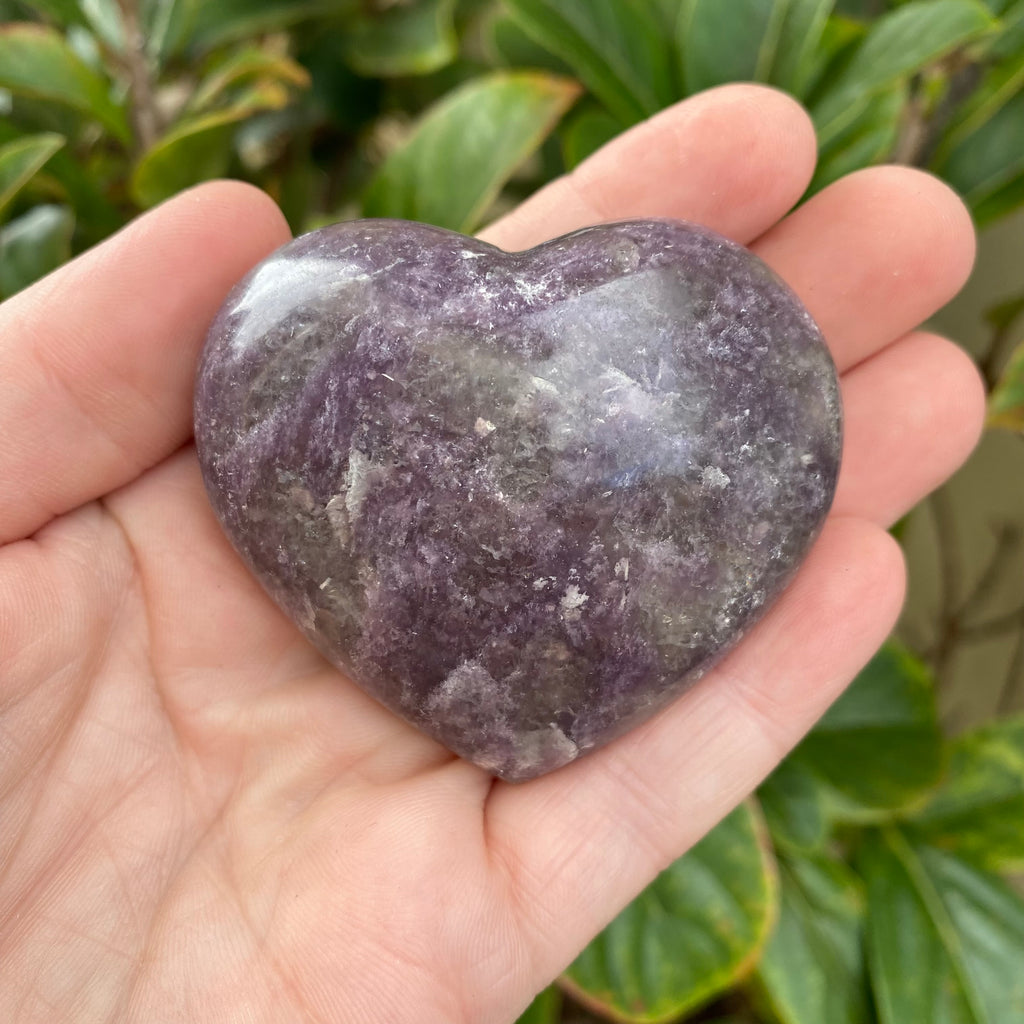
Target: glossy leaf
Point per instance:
(1006, 402)
(691, 934)
(32, 245)
(62, 12)
(105, 19)
(1009, 43)
(839, 41)
(999, 87)
(979, 811)
(945, 939)
(546, 1008)
(509, 45)
(1000, 203)
(195, 151)
(227, 20)
(166, 25)
(1003, 315)
(868, 139)
(618, 49)
(813, 969)
(242, 69)
(992, 155)
(36, 62)
(897, 45)
(200, 147)
(477, 136)
(411, 39)
(799, 54)
(879, 747)
(794, 808)
(771, 41)
(585, 132)
(21, 159)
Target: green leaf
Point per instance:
(617, 48)
(196, 150)
(898, 45)
(999, 7)
(21, 159)
(1006, 403)
(508, 45)
(798, 53)
(979, 812)
(998, 204)
(32, 245)
(945, 939)
(61, 12)
(729, 40)
(869, 138)
(1000, 86)
(228, 20)
(1003, 315)
(36, 62)
(412, 39)
(244, 68)
(467, 146)
(105, 20)
(839, 41)
(879, 747)
(545, 1009)
(95, 216)
(793, 806)
(991, 155)
(1009, 42)
(691, 934)
(166, 26)
(585, 132)
(813, 969)
(200, 147)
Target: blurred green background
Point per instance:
(875, 876)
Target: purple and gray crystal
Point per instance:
(525, 500)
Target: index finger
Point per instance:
(97, 360)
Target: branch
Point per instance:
(145, 113)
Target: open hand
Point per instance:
(201, 821)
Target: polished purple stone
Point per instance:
(523, 499)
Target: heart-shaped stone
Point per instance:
(522, 499)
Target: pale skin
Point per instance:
(200, 820)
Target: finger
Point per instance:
(97, 360)
(920, 401)
(580, 843)
(734, 159)
(873, 256)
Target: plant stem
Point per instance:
(145, 115)
(1008, 537)
(951, 576)
(991, 361)
(1014, 676)
(994, 626)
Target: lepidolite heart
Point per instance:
(523, 499)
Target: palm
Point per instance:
(204, 822)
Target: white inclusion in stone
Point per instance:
(573, 599)
(483, 427)
(622, 568)
(283, 285)
(357, 482)
(714, 477)
(540, 384)
(531, 291)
